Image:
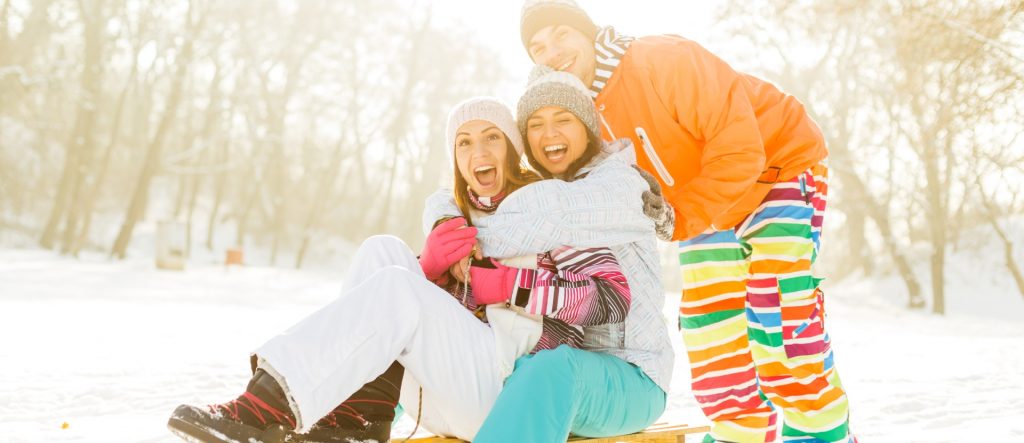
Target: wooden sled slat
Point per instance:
(657, 433)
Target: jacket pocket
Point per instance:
(776, 319)
(803, 332)
(659, 166)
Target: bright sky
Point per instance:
(496, 22)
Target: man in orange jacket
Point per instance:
(741, 164)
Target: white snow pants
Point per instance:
(389, 311)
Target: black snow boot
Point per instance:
(366, 416)
(260, 414)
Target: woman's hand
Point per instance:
(459, 269)
(445, 246)
(492, 283)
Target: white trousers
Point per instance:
(389, 311)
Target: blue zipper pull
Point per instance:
(803, 189)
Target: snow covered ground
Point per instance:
(110, 348)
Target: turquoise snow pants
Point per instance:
(563, 390)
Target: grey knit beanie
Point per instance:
(482, 108)
(539, 14)
(548, 87)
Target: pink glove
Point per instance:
(492, 285)
(448, 243)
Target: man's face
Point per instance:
(563, 48)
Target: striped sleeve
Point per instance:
(583, 287)
(555, 332)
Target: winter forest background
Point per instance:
(291, 130)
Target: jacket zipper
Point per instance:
(600, 113)
(659, 167)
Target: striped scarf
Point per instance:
(486, 204)
(609, 47)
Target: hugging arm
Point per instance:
(570, 288)
(604, 208)
(587, 289)
(583, 287)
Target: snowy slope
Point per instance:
(111, 348)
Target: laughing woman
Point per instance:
(617, 382)
(459, 349)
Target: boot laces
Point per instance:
(345, 412)
(256, 407)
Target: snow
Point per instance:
(110, 348)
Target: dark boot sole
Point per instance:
(375, 432)
(196, 426)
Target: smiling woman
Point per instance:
(459, 341)
(560, 123)
(480, 151)
(486, 156)
(556, 139)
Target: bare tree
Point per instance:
(992, 216)
(939, 81)
(836, 89)
(151, 163)
(80, 143)
(276, 122)
(91, 195)
(887, 79)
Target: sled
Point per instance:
(657, 433)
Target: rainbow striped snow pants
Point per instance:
(752, 317)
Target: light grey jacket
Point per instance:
(603, 209)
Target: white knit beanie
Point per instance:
(483, 108)
(548, 87)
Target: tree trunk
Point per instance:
(322, 197)
(104, 165)
(211, 223)
(179, 201)
(243, 218)
(294, 53)
(992, 216)
(276, 108)
(856, 227)
(151, 163)
(279, 176)
(277, 192)
(85, 159)
(938, 264)
(914, 298)
(401, 122)
(205, 135)
(1011, 263)
(60, 203)
(938, 234)
(80, 143)
(435, 156)
(1014, 269)
(881, 218)
(196, 182)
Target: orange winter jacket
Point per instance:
(715, 138)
